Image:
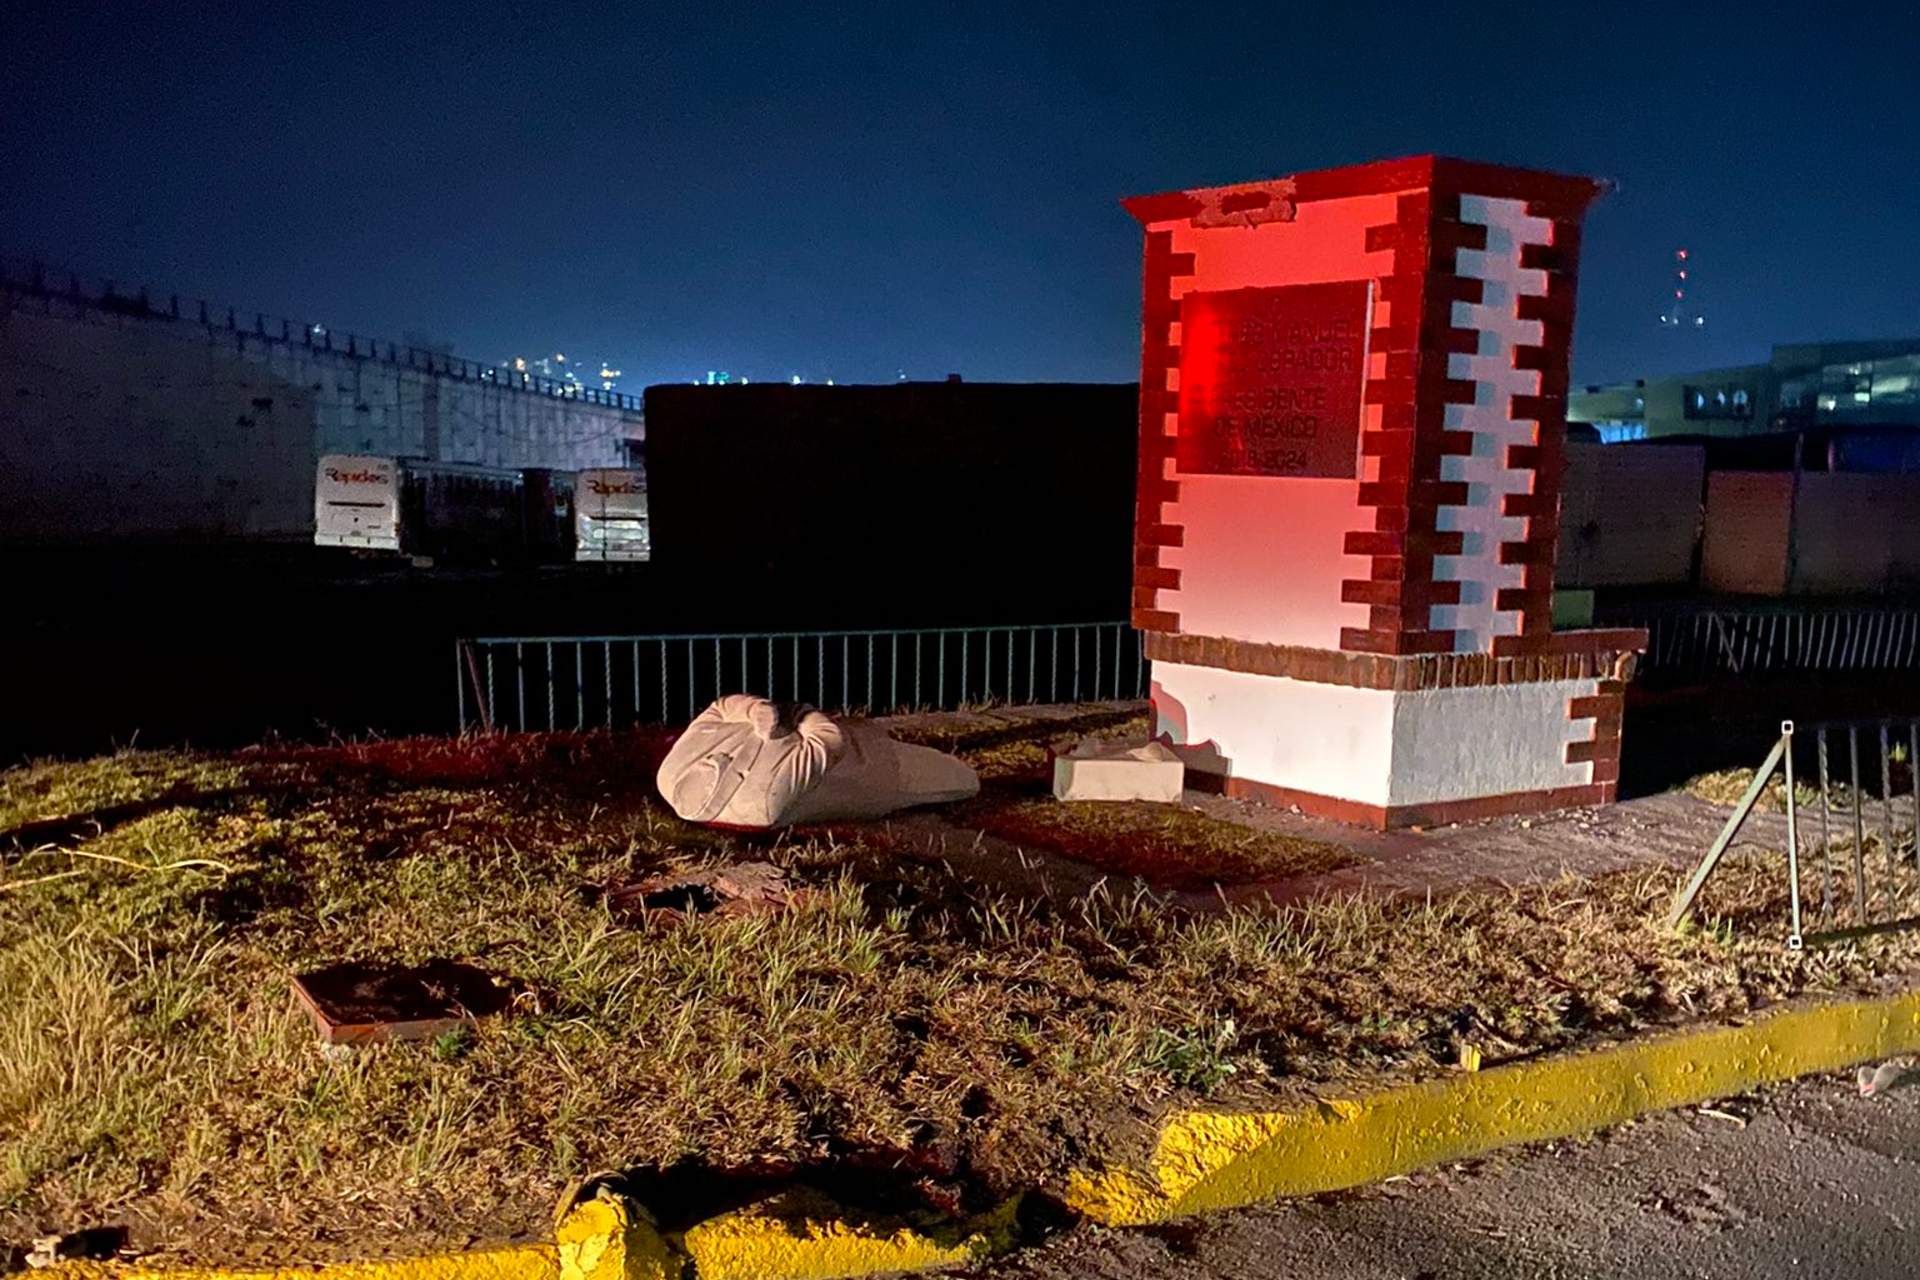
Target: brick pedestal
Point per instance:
(1352, 417)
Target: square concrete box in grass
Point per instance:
(1352, 425)
(1096, 770)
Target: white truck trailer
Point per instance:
(610, 516)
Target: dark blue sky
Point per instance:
(849, 191)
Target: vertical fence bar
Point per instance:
(963, 667)
(637, 718)
(1053, 679)
(1826, 835)
(1097, 651)
(1859, 829)
(690, 679)
(820, 671)
(520, 685)
(1076, 662)
(489, 691)
(549, 686)
(918, 668)
(940, 694)
(666, 706)
(1794, 938)
(718, 681)
(1913, 781)
(1033, 641)
(1886, 813)
(460, 681)
(743, 668)
(606, 665)
(579, 684)
(770, 692)
(795, 638)
(846, 694)
(893, 673)
(869, 703)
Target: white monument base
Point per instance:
(1382, 757)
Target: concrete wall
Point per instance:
(1843, 533)
(140, 426)
(1856, 532)
(1630, 514)
(1749, 515)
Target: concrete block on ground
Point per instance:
(1097, 770)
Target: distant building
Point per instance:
(132, 416)
(1851, 393)
(566, 374)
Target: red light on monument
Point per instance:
(1271, 380)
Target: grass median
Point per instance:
(155, 1071)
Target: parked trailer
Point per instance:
(610, 516)
(356, 502)
(448, 511)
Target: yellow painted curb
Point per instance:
(611, 1238)
(601, 1239)
(520, 1262)
(796, 1235)
(1210, 1160)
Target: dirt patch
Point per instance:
(1167, 844)
(1172, 846)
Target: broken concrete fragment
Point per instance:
(1104, 770)
(98, 1244)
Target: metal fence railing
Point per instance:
(1868, 858)
(1706, 642)
(534, 683)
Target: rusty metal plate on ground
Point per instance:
(360, 1003)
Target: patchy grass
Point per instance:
(155, 1071)
(1725, 787)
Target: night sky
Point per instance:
(859, 191)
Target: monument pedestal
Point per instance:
(1352, 418)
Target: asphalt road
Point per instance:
(1805, 1180)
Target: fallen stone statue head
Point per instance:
(748, 762)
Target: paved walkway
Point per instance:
(1673, 828)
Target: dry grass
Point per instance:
(154, 1070)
